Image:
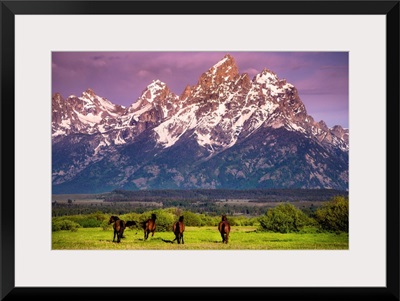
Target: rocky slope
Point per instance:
(227, 131)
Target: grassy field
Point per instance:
(199, 238)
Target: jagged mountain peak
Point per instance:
(224, 71)
(157, 84)
(89, 92)
(57, 97)
(266, 76)
(225, 68)
(186, 93)
(156, 92)
(225, 131)
(153, 89)
(323, 125)
(226, 62)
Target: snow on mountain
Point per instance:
(217, 116)
(223, 101)
(88, 114)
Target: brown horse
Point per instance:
(119, 227)
(224, 228)
(178, 229)
(149, 226)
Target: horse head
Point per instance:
(181, 218)
(113, 218)
(224, 218)
(153, 216)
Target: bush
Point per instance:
(243, 221)
(135, 217)
(193, 219)
(64, 224)
(334, 215)
(131, 217)
(99, 216)
(284, 218)
(106, 226)
(85, 220)
(89, 223)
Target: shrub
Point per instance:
(64, 224)
(334, 215)
(85, 220)
(99, 216)
(193, 219)
(89, 223)
(284, 218)
(243, 221)
(136, 217)
(106, 226)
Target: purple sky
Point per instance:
(321, 78)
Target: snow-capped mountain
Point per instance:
(227, 131)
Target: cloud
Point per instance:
(325, 80)
(143, 73)
(251, 72)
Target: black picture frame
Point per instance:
(9, 9)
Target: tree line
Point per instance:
(198, 195)
(333, 215)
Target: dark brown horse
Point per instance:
(149, 226)
(224, 228)
(178, 229)
(130, 224)
(119, 227)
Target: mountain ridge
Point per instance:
(222, 114)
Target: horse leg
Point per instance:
(121, 235)
(114, 235)
(223, 237)
(182, 239)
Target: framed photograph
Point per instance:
(131, 104)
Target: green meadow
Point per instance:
(200, 238)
